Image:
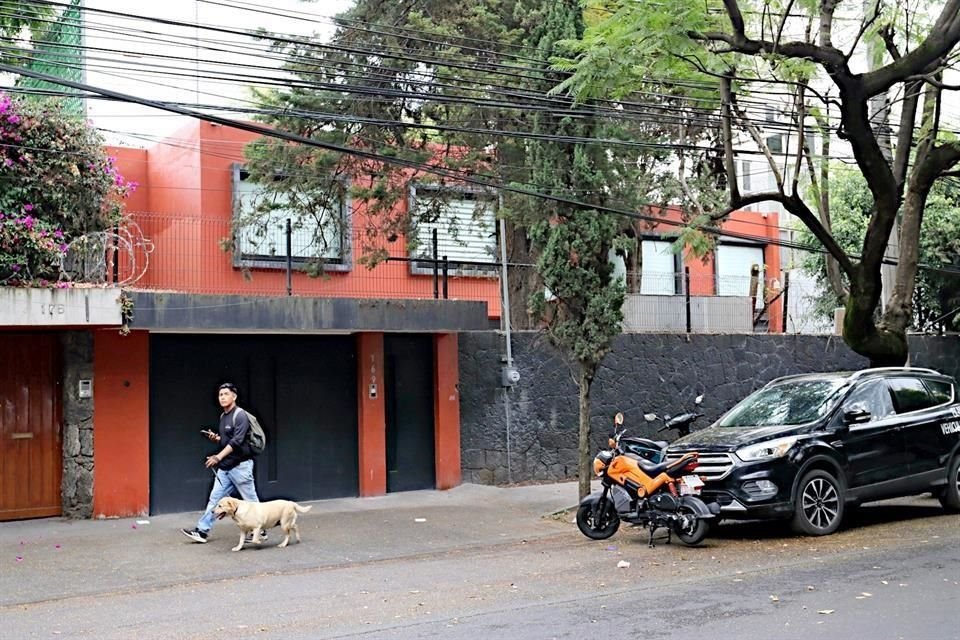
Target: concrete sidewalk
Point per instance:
(56, 558)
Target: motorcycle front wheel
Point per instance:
(689, 528)
(598, 520)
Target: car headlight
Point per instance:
(767, 450)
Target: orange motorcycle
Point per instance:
(646, 494)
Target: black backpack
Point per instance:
(256, 438)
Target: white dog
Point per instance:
(256, 517)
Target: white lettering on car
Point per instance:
(950, 427)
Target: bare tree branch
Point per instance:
(726, 128)
(943, 36)
(783, 22)
(795, 205)
(866, 24)
(889, 41)
(681, 171)
(826, 22)
(800, 106)
(908, 123)
(821, 192)
(754, 132)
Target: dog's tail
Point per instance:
(301, 509)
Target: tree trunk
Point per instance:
(899, 310)
(584, 467)
(885, 346)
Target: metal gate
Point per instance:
(408, 380)
(303, 390)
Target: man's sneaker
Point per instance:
(249, 538)
(195, 534)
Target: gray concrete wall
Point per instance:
(643, 373)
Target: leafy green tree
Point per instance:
(464, 87)
(937, 295)
(56, 183)
(21, 21)
(736, 45)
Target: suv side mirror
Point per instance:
(856, 414)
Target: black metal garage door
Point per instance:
(302, 388)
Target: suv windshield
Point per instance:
(791, 402)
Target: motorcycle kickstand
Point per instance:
(652, 528)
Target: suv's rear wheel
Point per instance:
(819, 504)
(950, 498)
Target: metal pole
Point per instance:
(505, 311)
(289, 258)
(786, 302)
(686, 294)
(446, 272)
(436, 267)
(505, 315)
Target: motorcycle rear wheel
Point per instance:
(695, 529)
(598, 520)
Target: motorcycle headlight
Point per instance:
(767, 450)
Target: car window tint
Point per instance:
(790, 402)
(909, 394)
(874, 396)
(942, 392)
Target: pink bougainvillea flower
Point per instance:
(28, 207)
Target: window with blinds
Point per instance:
(465, 226)
(659, 271)
(733, 266)
(262, 235)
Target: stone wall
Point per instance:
(643, 373)
(77, 484)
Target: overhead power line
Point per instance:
(402, 162)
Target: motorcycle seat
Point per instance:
(671, 467)
(651, 469)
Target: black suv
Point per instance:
(808, 446)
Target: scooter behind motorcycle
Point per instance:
(682, 422)
(656, 450)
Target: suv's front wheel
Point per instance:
(950, 498)
(818, 509)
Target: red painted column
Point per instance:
(772, 257)
(121, 423)
(446, 410)
(371, 413)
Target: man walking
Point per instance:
(234, 461)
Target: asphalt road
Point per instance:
(893, 573)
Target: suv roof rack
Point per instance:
(855, 375)
(863, 372)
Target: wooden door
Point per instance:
(30, 432)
